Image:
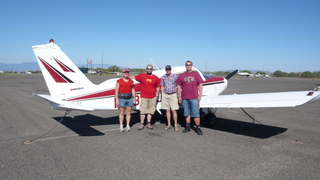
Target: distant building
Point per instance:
(84, 70)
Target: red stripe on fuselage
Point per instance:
(214, 79)
(111, 93)
(97, 95)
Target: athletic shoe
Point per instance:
(198, 131)
(187, 129)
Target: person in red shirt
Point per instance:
(125, 94)
(150, 85)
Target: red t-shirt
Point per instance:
(149, 84)
(125, 87)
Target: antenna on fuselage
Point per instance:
(154, 64)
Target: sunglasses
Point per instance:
(188, 64)
(149, 68)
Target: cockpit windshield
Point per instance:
(206, 76)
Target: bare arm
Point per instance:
(133, 91)
(179, 93)
(132, 77)
(158, 88)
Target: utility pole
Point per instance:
(263, 66)
(206, 65)
(102, 60)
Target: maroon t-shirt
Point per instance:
(189, 82)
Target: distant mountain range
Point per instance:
(34, 66)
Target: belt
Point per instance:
(171, 93)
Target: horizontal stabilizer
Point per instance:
(257, 100)
(64, 104)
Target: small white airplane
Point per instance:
(246, 74)
(257, 75)
(71, 90)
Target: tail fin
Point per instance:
(60, 73)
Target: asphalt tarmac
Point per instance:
(283, 143)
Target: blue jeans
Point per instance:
(191, 107)
(125, 102)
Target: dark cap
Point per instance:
(168, 67)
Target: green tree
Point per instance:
(306, 74)
(316, 74)
(260, 72)
(279, 73)
(292, 74)
(114, 68)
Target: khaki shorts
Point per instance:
(169, 101)
(148, 106)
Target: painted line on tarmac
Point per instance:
(75, 135)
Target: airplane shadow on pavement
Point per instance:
(233, 126)
(247, 128)
(82, 124)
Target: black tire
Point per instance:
(211, 120)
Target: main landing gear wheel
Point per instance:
(211, 119)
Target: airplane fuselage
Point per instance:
(102, 96)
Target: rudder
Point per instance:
(62, 76)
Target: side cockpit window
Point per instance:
(203, 75)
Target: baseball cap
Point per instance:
(168, 67)
(125, 70)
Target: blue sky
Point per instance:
(215, 35)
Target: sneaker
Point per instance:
(128, 128)
(198, 131)
(121, 129)
(141, 127)
(187, 129)
(149, 126)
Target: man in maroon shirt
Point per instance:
(149, 91)
(189, 94)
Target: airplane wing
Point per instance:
(64, 105)
(257, 100)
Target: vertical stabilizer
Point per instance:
(62, 76)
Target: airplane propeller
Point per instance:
(231, 74)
